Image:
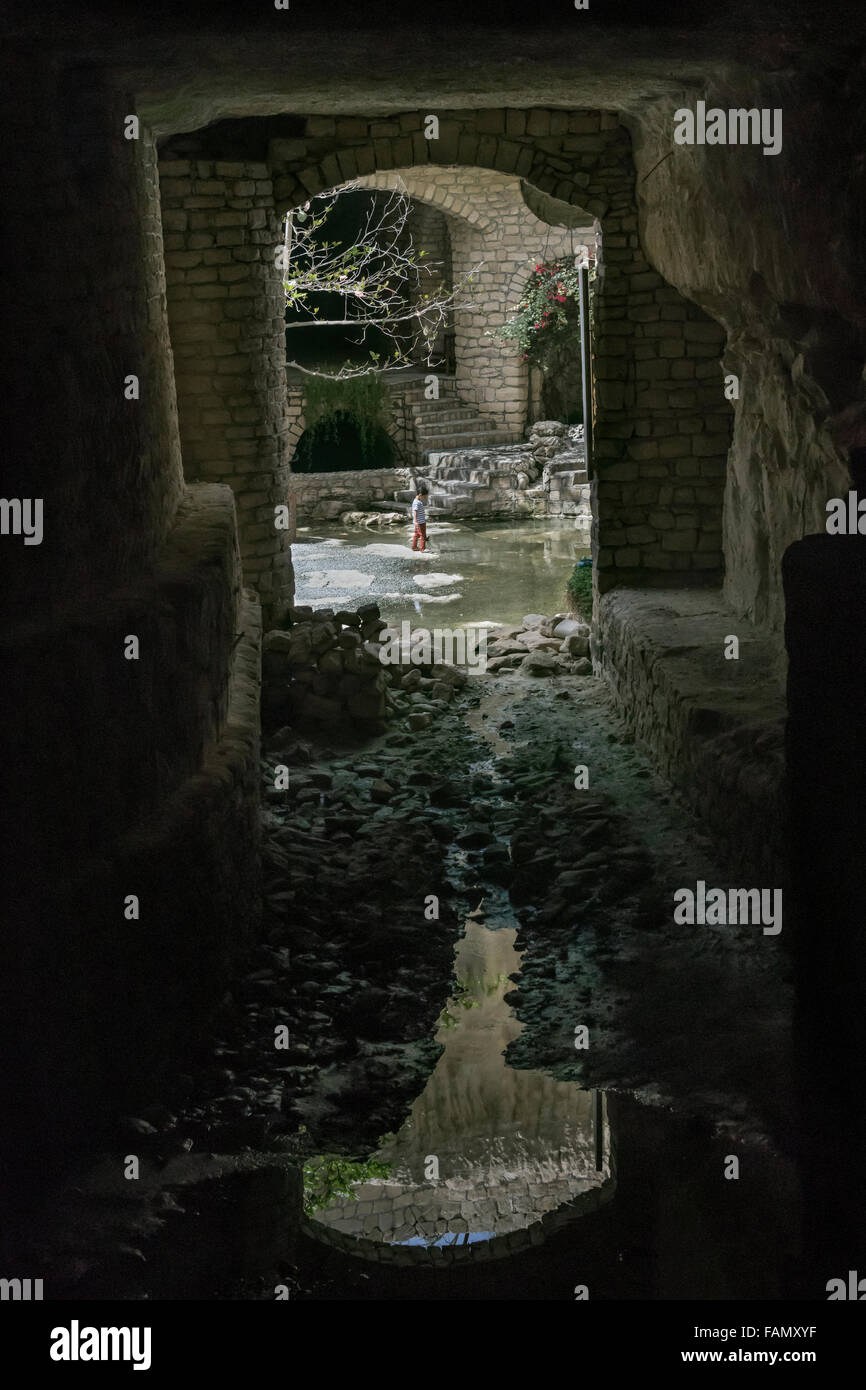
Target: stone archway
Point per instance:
(662, 426)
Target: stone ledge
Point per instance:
(713, 727)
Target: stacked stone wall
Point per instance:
(325, 496)
(713, 727)
(226, 311)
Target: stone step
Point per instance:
(455, 442)
(515, 454)
(455, 486)
(471, 424)
(445, 402)
(434, 419)
(450, 410)
(457, 474)
(417, 390)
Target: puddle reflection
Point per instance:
(486, 1151)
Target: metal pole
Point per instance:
(586, 366)
(598, 1128)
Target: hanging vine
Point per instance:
(364, 399)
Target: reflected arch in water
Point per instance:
(490, 1159)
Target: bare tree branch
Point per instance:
(380, 277)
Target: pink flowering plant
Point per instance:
(547, 313)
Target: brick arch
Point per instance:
(452, 207)
(298, 425)
(372, 162)
(499, 1247)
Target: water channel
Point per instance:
(471, 572)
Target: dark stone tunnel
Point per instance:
(165, 897)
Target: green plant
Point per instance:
(579, 588)
(331, 1175)
(460, 999)
(547, 314)
(363, 398)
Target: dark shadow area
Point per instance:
(338, 445)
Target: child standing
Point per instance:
(419, 516)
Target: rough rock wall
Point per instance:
(84, 306)
(826, 747)
(114, 769)
(117, 770)
(769, 245)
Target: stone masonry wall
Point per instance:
(226, 311)
(713, 727)
(428, 228)
(662, 423)
(325, 496)
(400, 427)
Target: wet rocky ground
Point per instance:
(374, 854)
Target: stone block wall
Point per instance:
(713, 727)
(325, 496)
(428, 228)
(226, 312)
(568, 494)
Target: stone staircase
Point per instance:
(454, 445)
(473, 469)
(449, 422)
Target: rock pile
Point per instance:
(386, 518)
(326, 667)
(541, 646)
(546, 439)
